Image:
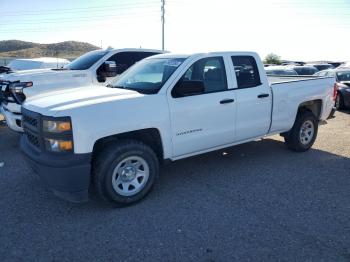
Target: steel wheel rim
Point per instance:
(130, 176)
(307, 132)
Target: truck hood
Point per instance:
(37, 74)
(17, 74)
(53, 103)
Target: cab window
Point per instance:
(211, 71)
(124, 60)
(247, 72)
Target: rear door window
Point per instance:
(247, 72)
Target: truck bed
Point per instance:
(289, 92)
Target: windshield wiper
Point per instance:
(120, 87)
(59, 69)
(139, 90)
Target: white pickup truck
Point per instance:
(95, 67)
(166, 107)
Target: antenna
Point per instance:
(163, 20)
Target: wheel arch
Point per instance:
(314, 106)
(149, 136)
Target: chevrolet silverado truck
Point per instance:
(95, 67)
(110, 141)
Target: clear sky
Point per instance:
(293, 29)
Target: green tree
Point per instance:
(273, 59)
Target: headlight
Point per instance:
(51, 126)
(54, 145)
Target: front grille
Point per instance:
(30, 121)
(33, 139)
(31, 126)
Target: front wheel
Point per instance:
(125, 172)
(303, 134)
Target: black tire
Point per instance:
(339, 102)
(294, 139)
(109, 159)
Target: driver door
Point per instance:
(201, 122)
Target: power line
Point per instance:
(74, 27)
(82, 18)
(163, 21)
(65, 10)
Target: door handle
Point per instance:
(263, 95)
(226, 101)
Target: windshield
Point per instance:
(149, 75)
(323, 67)
(24, 65)
(305, 70)
(86, 61)
(343, 76)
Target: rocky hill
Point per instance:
(67, 49)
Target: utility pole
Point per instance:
(163, 20)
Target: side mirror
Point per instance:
(110, 68)
(188, 88)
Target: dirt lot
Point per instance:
(259, 202)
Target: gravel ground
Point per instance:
(256, 202)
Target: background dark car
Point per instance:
(342, 78)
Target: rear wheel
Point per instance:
(125, 172)
(303, 134)
(339, 101)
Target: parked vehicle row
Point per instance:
(280, 71)
(305, 69)
(291, 70)
(111, 139)
(95, 67)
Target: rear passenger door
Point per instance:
(203, 121)
(254, 99)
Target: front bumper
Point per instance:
(67, 175)
(13, 121)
